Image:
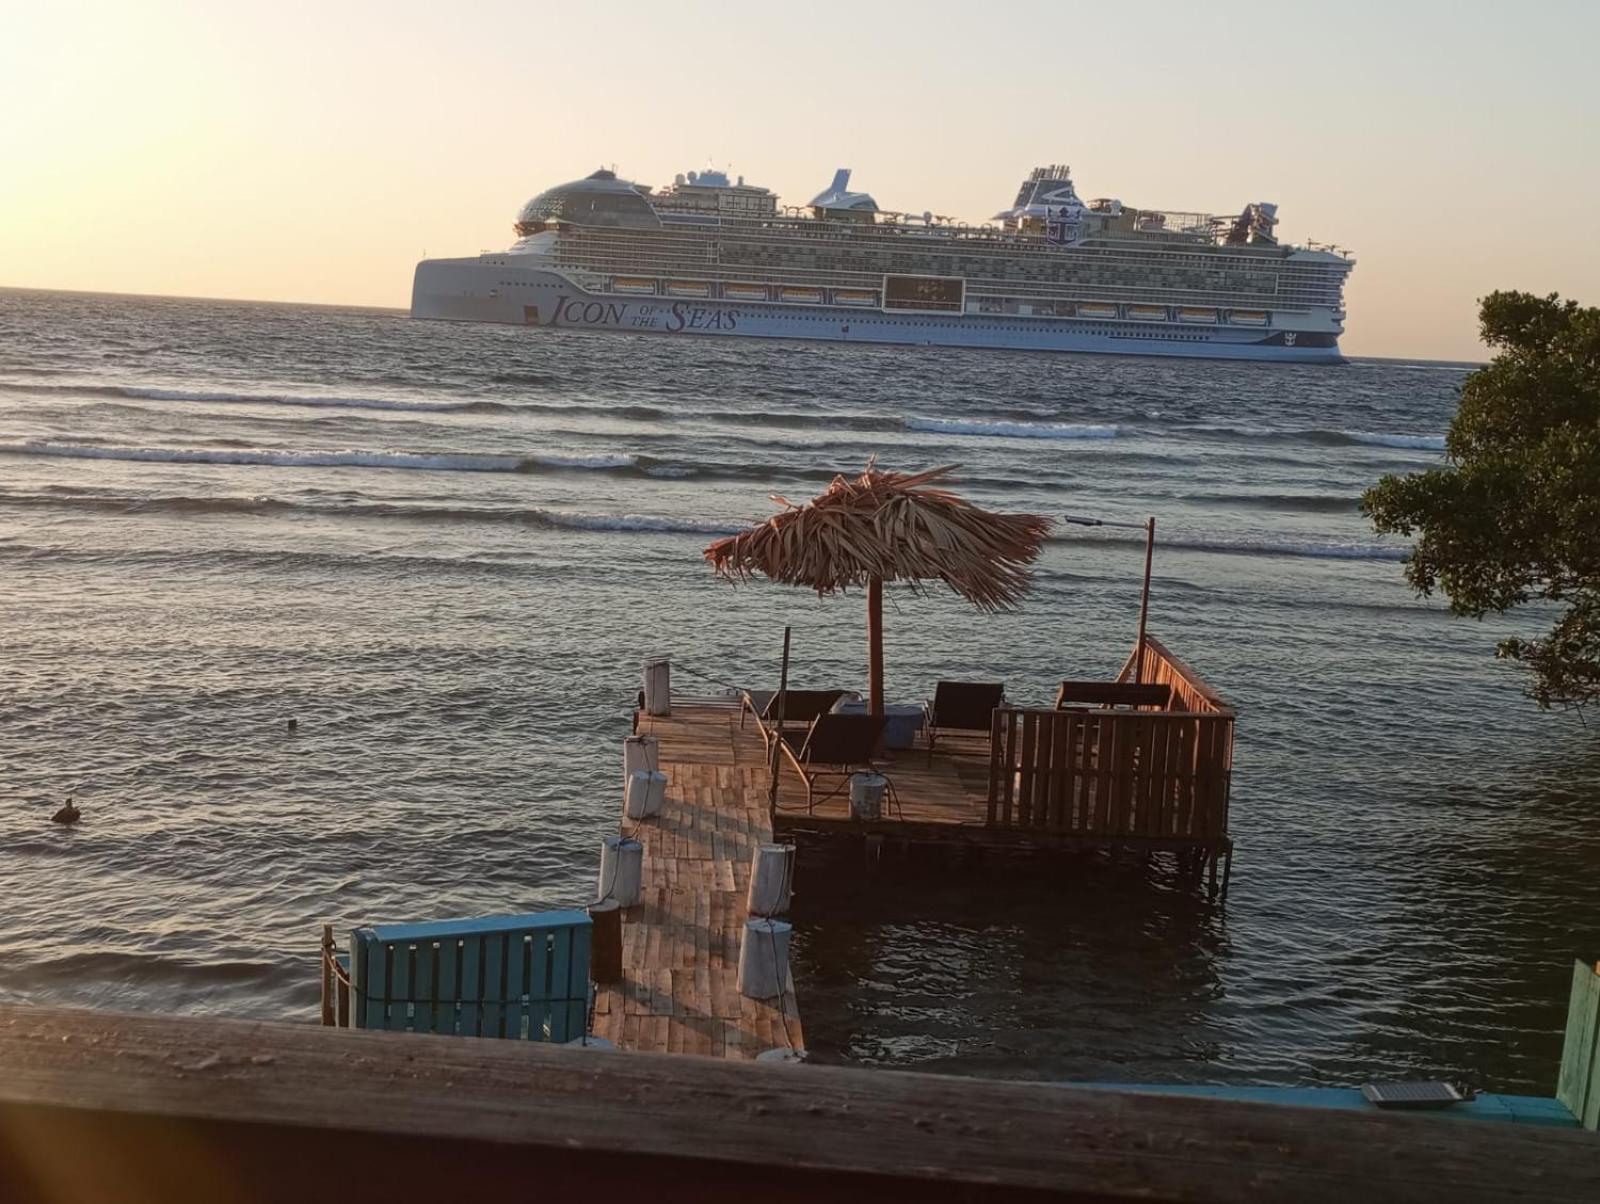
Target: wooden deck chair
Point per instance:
(800, 707)
(961, 706)
(833, 746)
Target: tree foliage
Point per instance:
(1514, 515)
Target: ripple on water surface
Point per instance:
(445, 550)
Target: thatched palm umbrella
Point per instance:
(889, 526)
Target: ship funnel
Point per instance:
(838, 195)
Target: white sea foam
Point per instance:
(580, 461)
(286, 399)
(1378, 439)
(635, 522)
(440, 462)
(1317, 549)
(1012, 430)
(1223, 428)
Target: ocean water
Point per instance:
(445, 550)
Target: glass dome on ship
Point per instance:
(712, 255)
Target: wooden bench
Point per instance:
(519, 977)
(1112, 694)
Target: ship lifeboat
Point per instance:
(1191, 313)
(744, 292)
(688, 288)
(800, 295)
(1148, 313)
(1096, 309)
(633, 284)
(854, 296)
(1248, 317)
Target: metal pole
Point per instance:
(1144, 599)
(783, 702)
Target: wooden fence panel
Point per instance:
(1137, 775)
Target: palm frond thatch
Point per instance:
(889, 526)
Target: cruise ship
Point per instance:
(708, 255)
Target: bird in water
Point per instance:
(67, 815)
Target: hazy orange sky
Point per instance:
(313, 152)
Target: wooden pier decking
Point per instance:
(680, 947)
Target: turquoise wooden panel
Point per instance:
(471, 984)
(399, 956)
(516, 986)
(493, 1019)
(375, 991)
(540, 985)
(1576, 1085)
(480, 925)
(578, 983)
(1501, 1109)
(560, 976)
(448, 1018)
(512, 976)
(423, 991)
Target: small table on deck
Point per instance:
(904, 722)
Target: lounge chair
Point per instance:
(800, 707)
(1079, 694)
(833, 746)
(961, 706)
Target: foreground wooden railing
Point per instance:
(101, 1107)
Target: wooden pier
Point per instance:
(680, 946)
(1146, 766)
(1153, 778)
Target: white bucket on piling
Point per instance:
(771, 880)
(764, 959)
(647, 793)
(658, 687)
(639, 752)
(621, 870)
(866, 795)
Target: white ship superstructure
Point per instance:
(707, 255)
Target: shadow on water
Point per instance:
(1067, 966)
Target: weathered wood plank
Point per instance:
(190, 1109)
(1578, 1085)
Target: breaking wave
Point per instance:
(436, 462)
(1246, 546)
(1376, 439)
(1408, 442)
(1011, 430)
(263, 506)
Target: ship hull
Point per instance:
(496, 290)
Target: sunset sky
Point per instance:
(313, 152)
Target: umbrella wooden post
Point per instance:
(1144, 599)
(875, 646)
(783, 702)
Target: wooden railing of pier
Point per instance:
(1158, 778)
(1155, 664)
(96, 1106)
